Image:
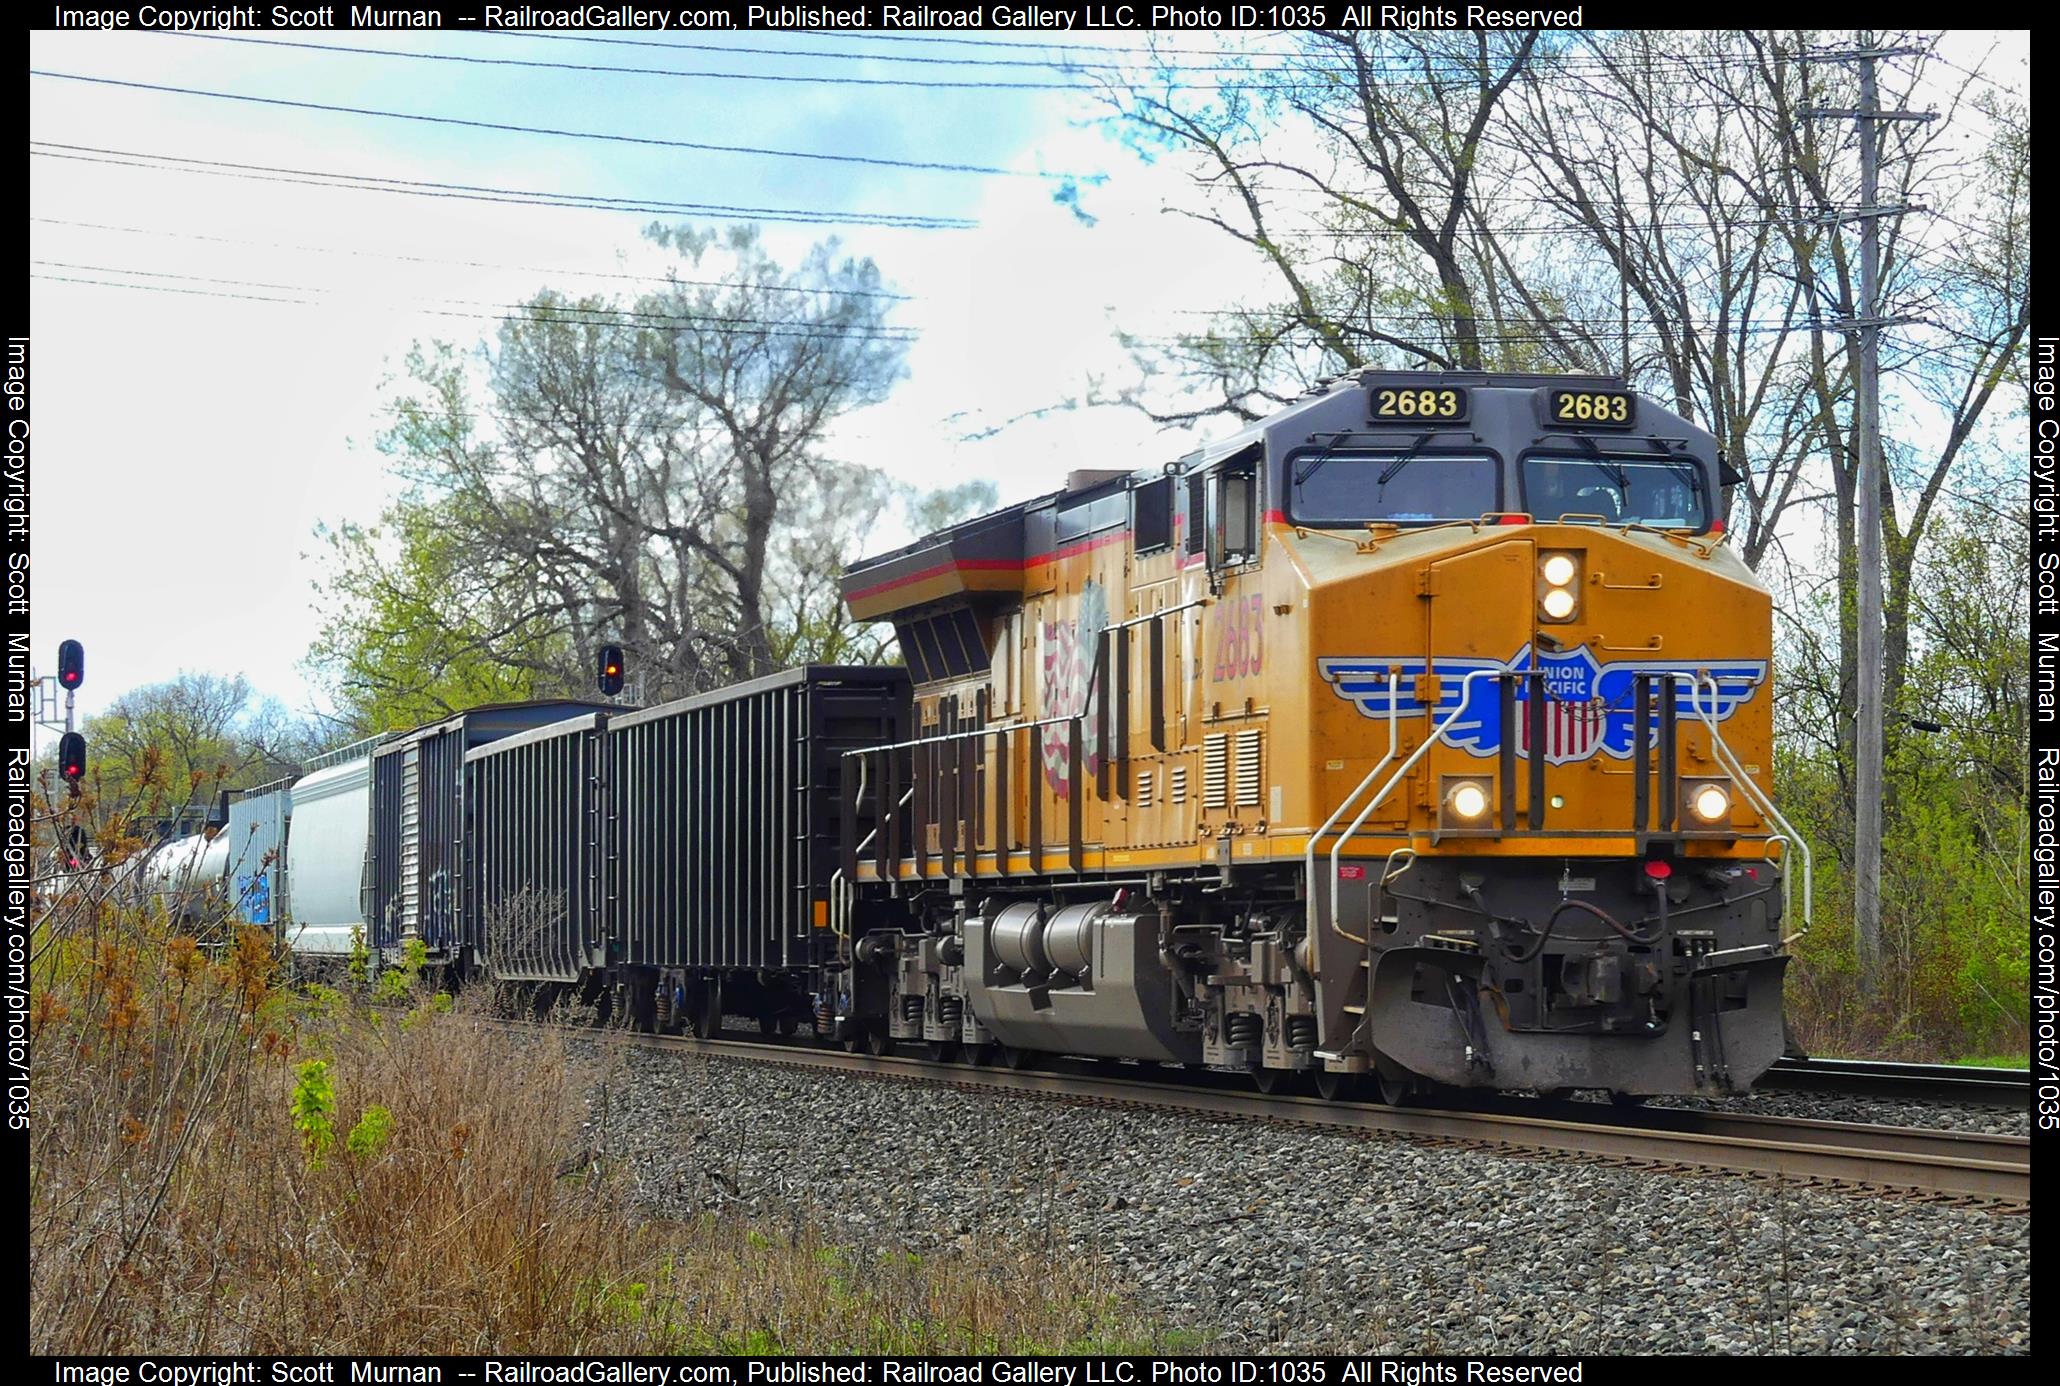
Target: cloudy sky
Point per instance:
(211, 341)
(214, 318)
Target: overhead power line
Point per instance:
(1412, 67)
(473, 192)
(1289, 334)
(559, 314)
(806, 79)
(653, 141)
(566, 271)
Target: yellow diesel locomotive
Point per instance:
(1420, 732)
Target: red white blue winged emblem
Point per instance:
(1588, 704)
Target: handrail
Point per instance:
(843, 891)
(355, 750)
(1437, 735)
(1787, 876)
(1309, 855)
(837, 876)
(1759, 800)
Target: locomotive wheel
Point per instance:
(878, 1042)
(770, 1024)
(980, 1055)
(1014, 1056)
(1335, 1087)
(1395, 1091)
(942, 1051)
(1271, 1080)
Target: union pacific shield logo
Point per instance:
(1587, 703)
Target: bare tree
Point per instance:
(650, 474)
(1385, 135)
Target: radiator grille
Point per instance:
(1146, 781)
(1250, 763)
(1216, 770)
(1176, 788)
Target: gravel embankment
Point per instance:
(1267, 1238)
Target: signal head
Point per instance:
(71, 757)
(611, 669)
(71, 664)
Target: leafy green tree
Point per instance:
(412, 632)
(177, 743)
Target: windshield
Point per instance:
(1355, 487)
(1666, 493)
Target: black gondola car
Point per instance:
(721, 826)
(532, 908)
(674, 861)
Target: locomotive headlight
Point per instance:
(1559, 577)
(1709, 802)
(1467, 799)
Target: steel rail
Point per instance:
(1946, 1164)
(2001, 1087)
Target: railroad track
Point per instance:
(1958, 1166)
(1997, 1087)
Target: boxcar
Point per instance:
(256, 838)
(415, 866)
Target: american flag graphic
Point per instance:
(1573, 730)
(1069, 652)
(1062, 675)
(1589, 704)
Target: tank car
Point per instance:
(1420, 731)
(187, 877)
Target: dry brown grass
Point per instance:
(222, 1165)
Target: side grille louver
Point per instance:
(1216, 770)
(1249, 766)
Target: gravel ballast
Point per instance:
(1252, 1237)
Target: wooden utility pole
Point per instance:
(1868, 739)
(1867, 776)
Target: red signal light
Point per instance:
(71, 664)
(71, 757)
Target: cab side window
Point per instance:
(1234, 515)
